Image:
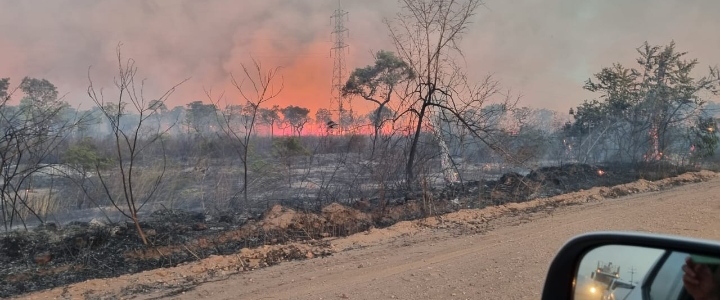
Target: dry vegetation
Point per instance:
(80, 251)
(187, 276)
(133, 185)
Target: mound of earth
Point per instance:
(479, 220)
(343, 220)
(49, 256)
(333, 220)
(551, 181)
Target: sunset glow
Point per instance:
(207, 41)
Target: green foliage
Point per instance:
(379, 79)
(40, 91)
(41, 105)
(640, 110)
(85, 156)
(114, 111)
(4, 85)
(377, 82)
(157, 105)
(270, 115)
(296, 116)
(287, 150)
(32, 133)
(289, 147)
(259, 164)
(208, 146)
(704, 138)
(380, 115)
(199, 116)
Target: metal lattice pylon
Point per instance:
(340, 33)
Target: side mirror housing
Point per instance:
(562, 277)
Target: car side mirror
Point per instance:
(618, 265)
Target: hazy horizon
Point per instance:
(544, 50)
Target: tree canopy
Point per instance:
(642, 112)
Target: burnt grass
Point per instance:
(51, 256)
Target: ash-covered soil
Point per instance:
(53, 256)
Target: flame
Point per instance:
(656, 154)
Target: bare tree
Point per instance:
(323, 118)
(427, 35)
(238, 125)
(29, 135)
(130, 143)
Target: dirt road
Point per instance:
(504, 258)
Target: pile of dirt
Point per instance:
(268, 255)
(169, 282)
(50, 256)
(279, 219)
(343, 220)
(333, 220)
(642, 185)
(481, 220)
(557, 180)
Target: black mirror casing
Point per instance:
(559, 282)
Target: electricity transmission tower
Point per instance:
(340, 47)
(632, 273)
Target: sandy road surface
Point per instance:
(507, 259)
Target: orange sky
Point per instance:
(544, 50)
(305, 70)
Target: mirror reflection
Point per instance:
(630, 272)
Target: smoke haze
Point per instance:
(542, 49)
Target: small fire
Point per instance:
(600, 172)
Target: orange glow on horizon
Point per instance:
(305, 75)
(318, 129)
